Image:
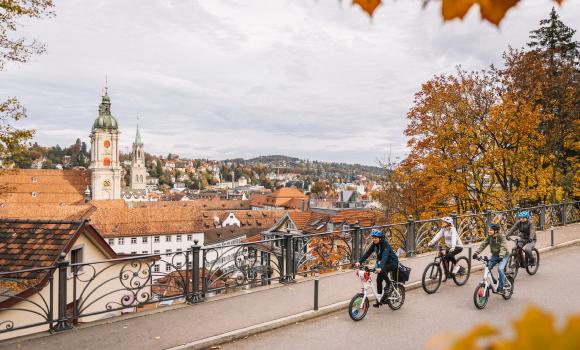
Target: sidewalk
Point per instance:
(188, 323)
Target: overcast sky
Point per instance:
(219, 79)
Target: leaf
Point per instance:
(451, 9)
(495, 10)
(369, 6)
(570, 336)
(470, 340)
(535, 330)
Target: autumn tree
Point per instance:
(19, 50)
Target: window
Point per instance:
(167, 251)
(34, 179)
(144, 252)
(156, 239)
(178, 238)
(121, 241)
(76, 257)
(156, 251)
(156, 268)
(134, 240)
(111, 241)
(179, 250)
(167, 267)
(34, 194)
(144, 240)
(106, 162)
(178, 266)
(167, 238)
(190, 238)
(133, 253)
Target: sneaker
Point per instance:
(500, 291)
(377, 304)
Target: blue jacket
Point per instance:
(384, 253)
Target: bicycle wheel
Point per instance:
(513, 265)
(461, 277)
(480, 296)
(531, 270)
(397, 297)
(358, 307)
(431, 279)
(509, 288)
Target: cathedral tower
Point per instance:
(105, 168)
(138, 171)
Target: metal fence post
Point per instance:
(356, 239)
(542, 216)
(552, 236)
(488, 219)
(454, 217)
(62, 322)
(316, 281)
(195, 250)
(410, 244)
(563, 215)
(289, 255)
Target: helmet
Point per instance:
(377, 233)
(448, 220)
(494, 227)
(524, 214)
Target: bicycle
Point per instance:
(518, 259)
(359, 304)
(433, 274)
(489, 282)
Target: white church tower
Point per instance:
(138, 171)
(105, 168)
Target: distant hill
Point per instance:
(273, 159)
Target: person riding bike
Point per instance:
(453, 245)
(527, 232)
(499, 252)
(387, 261)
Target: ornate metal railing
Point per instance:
(60, 296)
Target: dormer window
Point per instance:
(34, 194)
(34, 179)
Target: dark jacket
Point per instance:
(384, 253)
(526, 230)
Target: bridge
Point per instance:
(282, 315)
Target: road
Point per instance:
(556, 288)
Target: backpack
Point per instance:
(403, 273)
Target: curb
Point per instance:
(245, 332)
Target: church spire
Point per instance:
(138, 135)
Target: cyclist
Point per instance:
(527, 232)
(499, 252)
(453, 245)
(387, 261)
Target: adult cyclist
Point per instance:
(499, 252)
(387, 261)
(453, 245)
(526, 230)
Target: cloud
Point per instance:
(225, 78)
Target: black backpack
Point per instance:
(403, 273)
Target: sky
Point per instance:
(218, 79)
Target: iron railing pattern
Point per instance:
(73, 293)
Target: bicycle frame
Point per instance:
(365, 276)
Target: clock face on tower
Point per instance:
(107, 143)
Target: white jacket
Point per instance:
(452, 239)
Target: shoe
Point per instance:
(500, 291)
(377, 304)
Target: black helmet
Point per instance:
(494, 227)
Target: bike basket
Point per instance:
(403, 273)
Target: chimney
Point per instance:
(302, 205)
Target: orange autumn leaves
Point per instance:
(535, 330)
(491, 10)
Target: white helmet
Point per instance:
(448, 220)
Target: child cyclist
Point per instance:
(499, 252)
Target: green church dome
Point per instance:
(105, 121)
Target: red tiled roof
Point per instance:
(49, 186)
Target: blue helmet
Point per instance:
(377, 233)
(524, 214)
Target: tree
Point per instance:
(12, 140)
(558, 77)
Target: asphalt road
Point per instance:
(556, 288)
